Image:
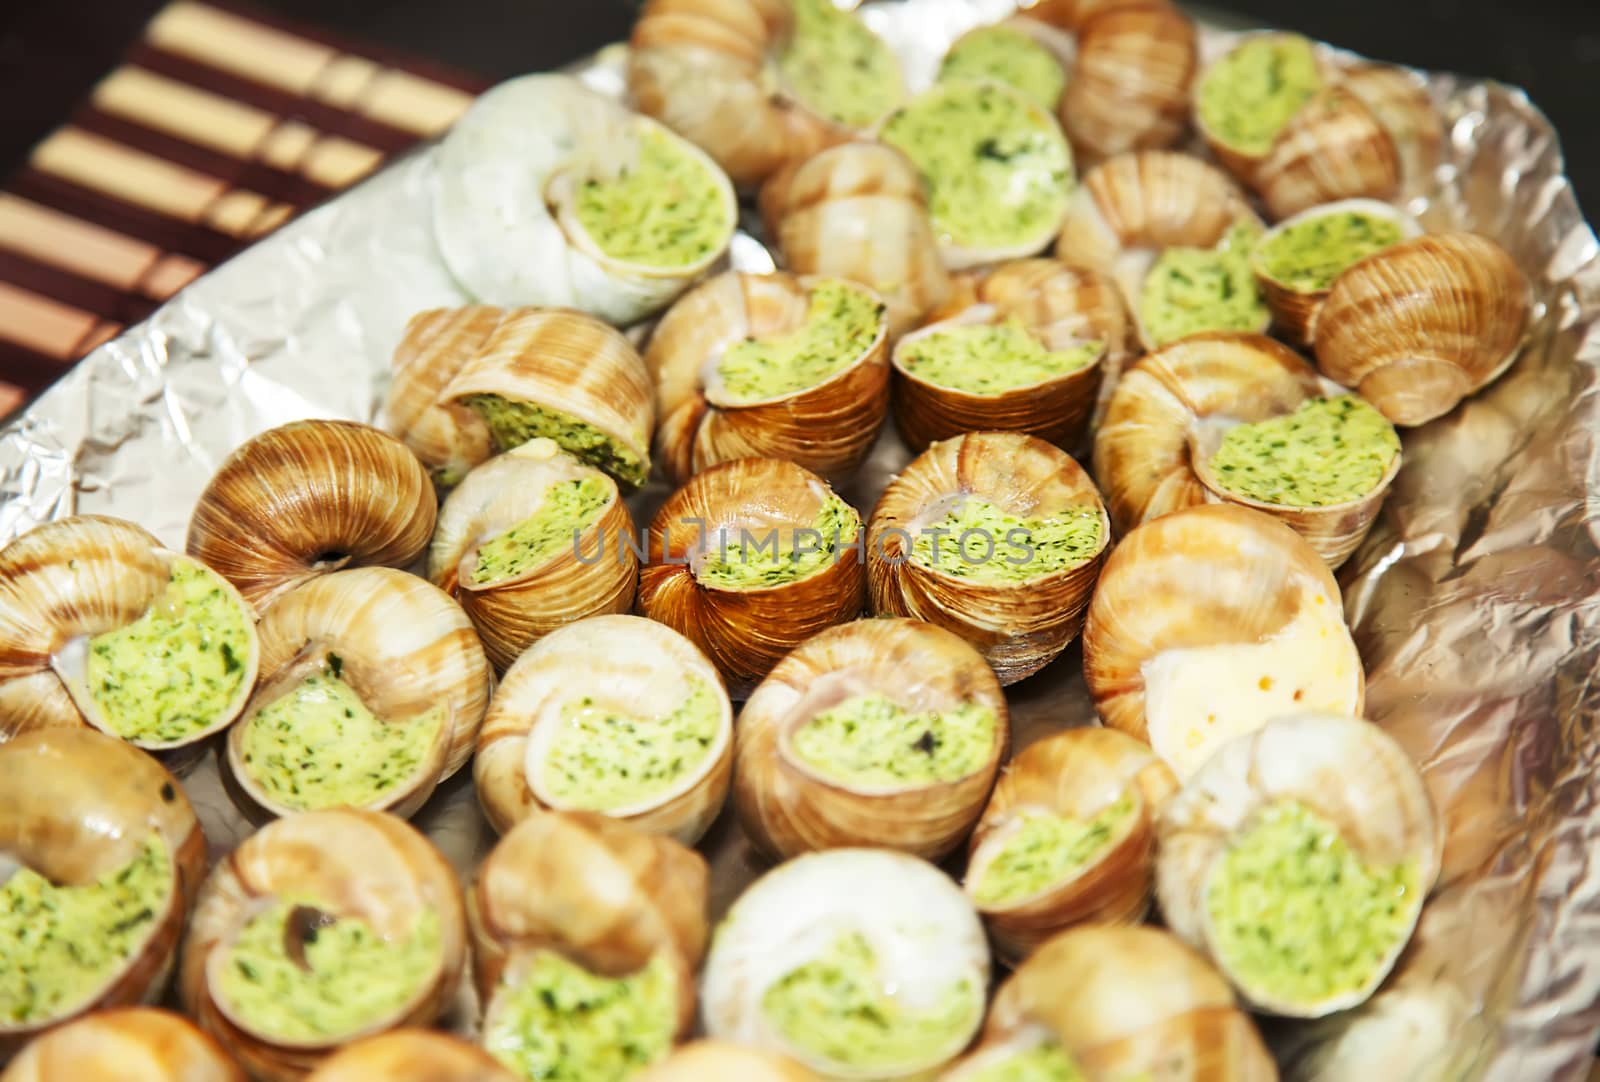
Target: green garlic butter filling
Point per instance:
(318, 746)
(872, 742)
(561, 1023)
(351, 977)
(1328, 451)
(566, 511)
(666, 209)
(513, 423)
(59, 945)
(1004, 54)
(838, 1008)
(981, 543)
(997, 169)
(837, 67)
(1193, 290)
(762, 558)
(603, 760)
(1250, 95)
(991, 358)
(1298, 915)
(1046, 1061)
(841, 323)
(177, 669)
(1307, 256)
(1045, 850)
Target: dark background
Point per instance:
(51, 53)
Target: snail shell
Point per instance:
(72, 579)
(76, 806)
(1018, 627)
(561, 362)
(1132, 207)
(626, 663)
(437, 344)
(1348, 772)
(308, 498)
(410, 1055)
(858, 211)
(1167, 419)
(353, 864)
(1422, 324)
(722, 1061)
(594, 891)
(745, 630)
(506, 185)
(827, 428)
(788, 807)
(131, 1044)
(1123, 1001)
(1207, 623)
(926, 943)
(403, 646)
(595, 572)
(1077, 774)
(1060, 306)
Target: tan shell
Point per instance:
(1132, 207)
(1295, 310)
(130, 1044)
(1019, 628)
(65, 582)
(641, 667)
(1348, 772)
(827, 428)
(358, 864)
(788, 808)
(1060, 306)
(446, 436)
(1217, 613)
(1076, 774)
(1169, 416)
(1421, 325)
(404, 647)
(75, 805)
(308, 498)
(596, 573)
(410, 1055)
(1124, 1001)
(723, 1061)
(562, 361)
(595, 891)
(858, 211)
(745, 631)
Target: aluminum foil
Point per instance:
(1475, 601)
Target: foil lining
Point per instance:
(1475, 601)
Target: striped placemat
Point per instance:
(220, 125)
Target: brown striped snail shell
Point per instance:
(827, 428)
(446, 436)
(743, 508)
(709, 1060)
(1424, 323)
(75, 806)
(1153, 451)
(858, 211)
(1076, 774)
(639, 666)
(354, 865)
(787, 807)
(1210, 621)
(593, 573)
(401, 644)
(411, 1055)
(131, 1044)
(308, 498)
(1019, 627)
(1122, 1001)
(1058, 305)
(70, 580)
